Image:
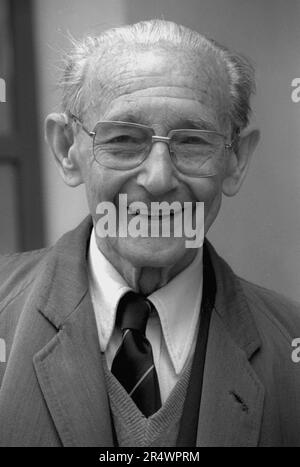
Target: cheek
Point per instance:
(103, 184)
(206, 189)
(209, 191)
(99, 189)
(94, 188)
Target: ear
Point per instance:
(59, 136)
(239, 162)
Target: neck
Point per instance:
(145, 279)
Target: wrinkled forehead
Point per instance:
(137, 72)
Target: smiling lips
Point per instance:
(145, 213)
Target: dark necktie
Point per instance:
(133, 364)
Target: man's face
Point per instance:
(164, 91)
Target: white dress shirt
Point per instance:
(172, 331)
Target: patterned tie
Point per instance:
(133, 364)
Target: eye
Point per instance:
(193, 140)
(123, 139)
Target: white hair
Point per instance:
(241, 79)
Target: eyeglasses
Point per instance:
(124, 146)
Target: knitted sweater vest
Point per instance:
(132, 428)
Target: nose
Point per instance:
(158, 174)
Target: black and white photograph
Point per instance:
(150, 226)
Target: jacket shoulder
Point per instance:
(272, 307)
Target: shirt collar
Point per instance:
(177, 303)
(107, 286)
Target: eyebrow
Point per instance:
(125, 117)
(197, 123)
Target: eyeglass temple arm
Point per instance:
(234, 140)
(76, 119)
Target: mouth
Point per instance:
(154, 216)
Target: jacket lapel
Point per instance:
(69, 368)
(70, 374)
(232, 396)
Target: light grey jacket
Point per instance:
(53, 391)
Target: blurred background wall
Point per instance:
(54, 20)
(258, 231)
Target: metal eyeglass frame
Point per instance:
(155, 138)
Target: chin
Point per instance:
(153, 252)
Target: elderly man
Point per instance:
(138, 340)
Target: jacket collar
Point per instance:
(65, 275)
(232, 306)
